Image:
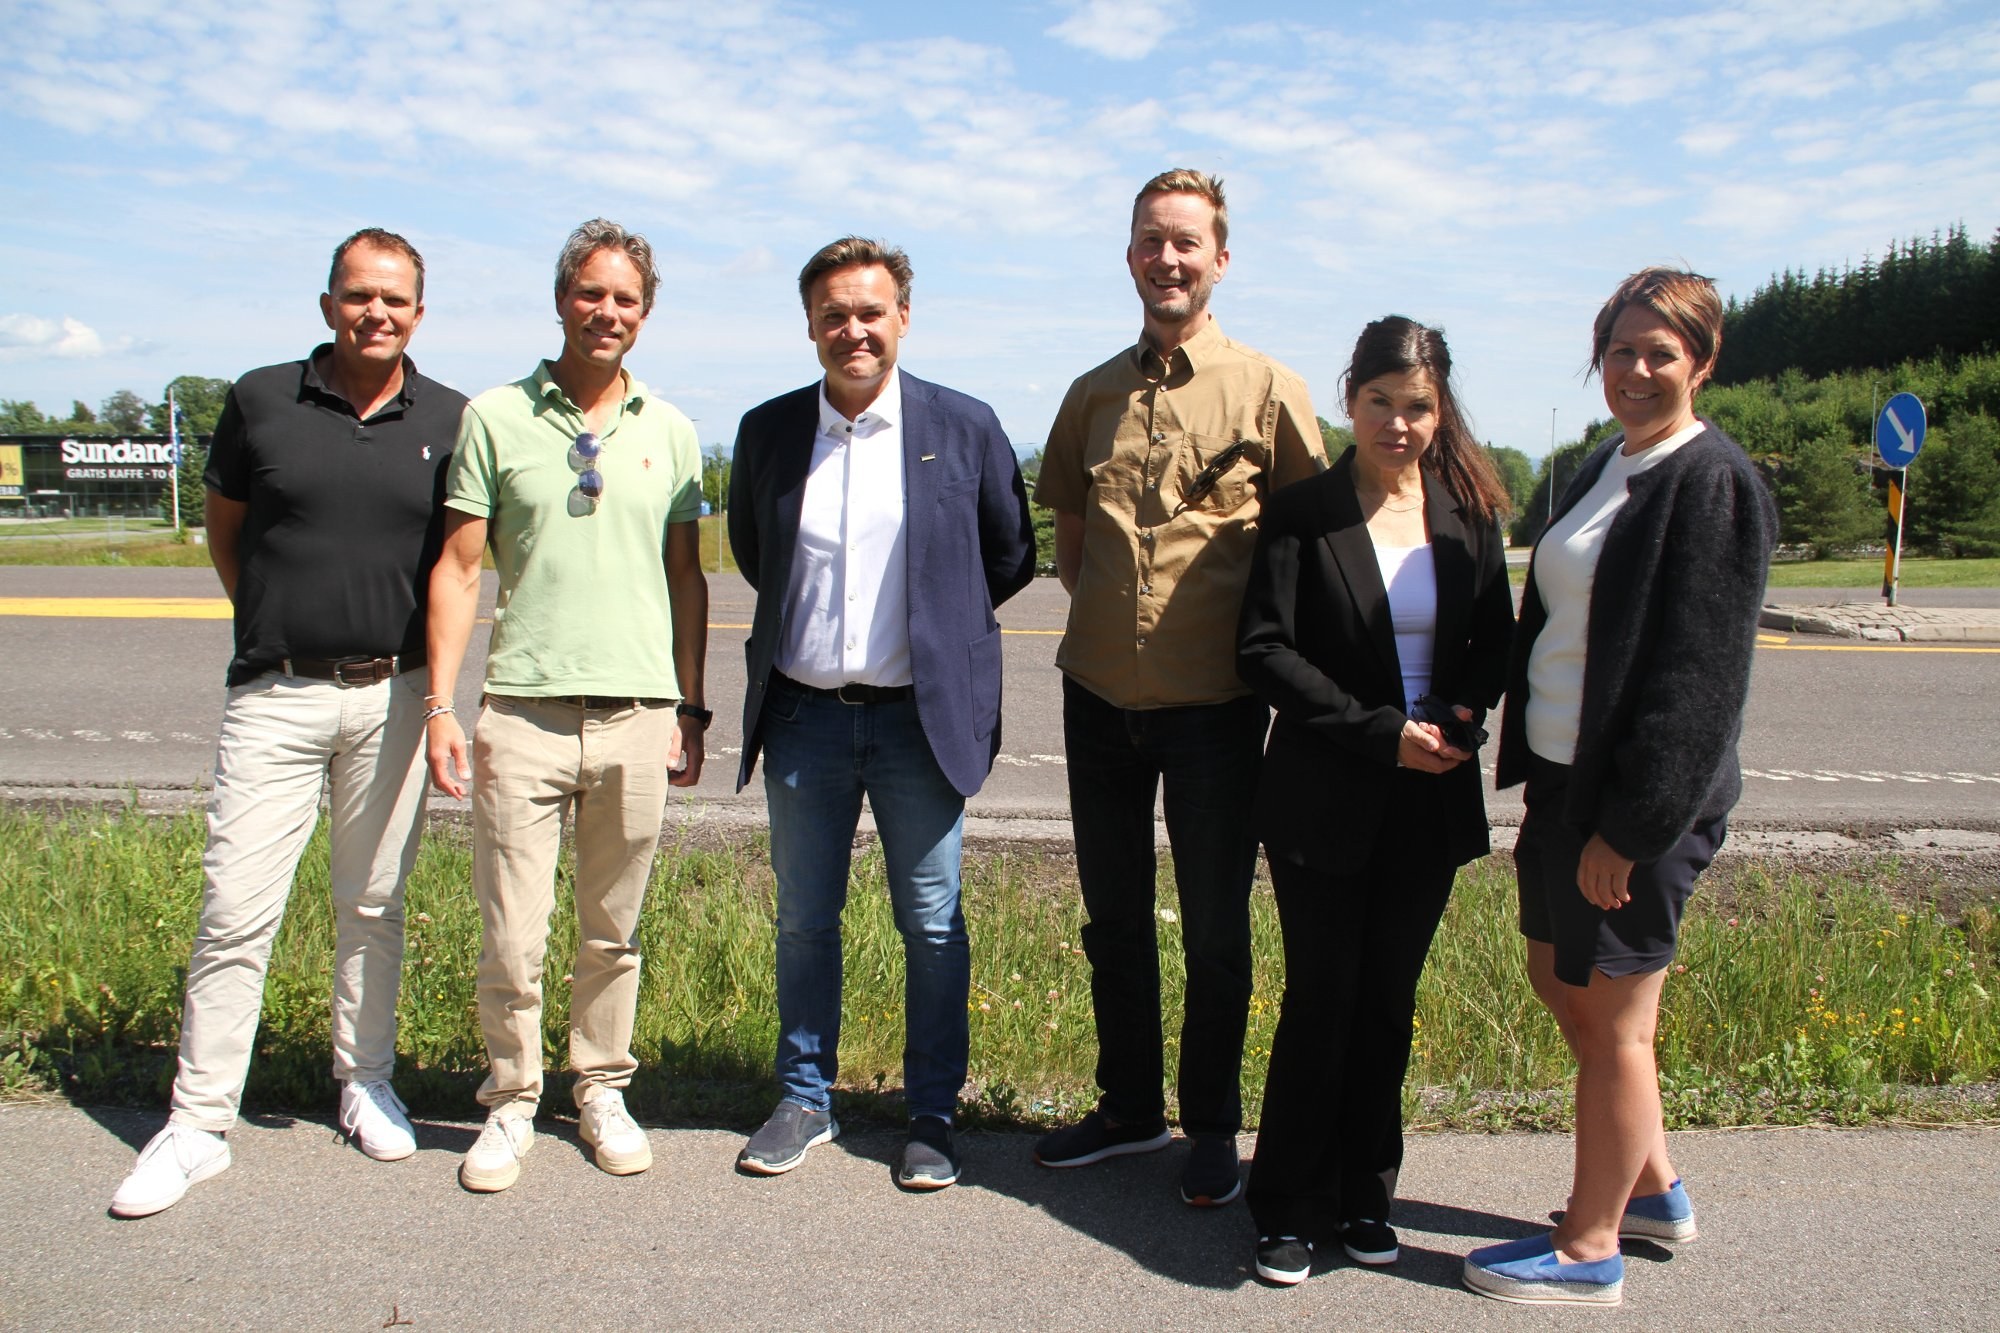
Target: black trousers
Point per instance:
(1330, 1144)
(1205, 757)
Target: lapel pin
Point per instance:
(928, 458)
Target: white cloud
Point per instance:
(1117, 29)
(24, 337)
(1710, 140)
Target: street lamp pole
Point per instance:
(1552, 469)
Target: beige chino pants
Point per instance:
(284, 741)
(532, 760)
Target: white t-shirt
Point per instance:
(1565, 571)
(1409, 575)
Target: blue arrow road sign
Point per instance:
(1899, 431)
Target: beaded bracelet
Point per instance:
(439, 711)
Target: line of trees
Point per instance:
(1923, 299)
(123, 413)
(1813, 441)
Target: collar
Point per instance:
(546, 389)
(886, 410)
(1194, 353)
(312, 381)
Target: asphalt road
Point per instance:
(1816, 1228)
(1837, 735)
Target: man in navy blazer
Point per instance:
(881, 519)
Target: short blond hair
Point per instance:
(1186, 180)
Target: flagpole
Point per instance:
(174, 448)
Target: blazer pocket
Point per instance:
(957, 486)
(983, 670)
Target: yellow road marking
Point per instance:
(120, 608)
(218, 608)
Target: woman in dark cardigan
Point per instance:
(1376, 584)
(1624, 702)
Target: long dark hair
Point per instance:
(1393, 345)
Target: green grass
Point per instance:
(1803, 1000)
(1917, 572)
(148, 550)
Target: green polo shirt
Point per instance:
(583, 588)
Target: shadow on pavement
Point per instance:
(1133, 1205)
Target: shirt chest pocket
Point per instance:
(1215, 474)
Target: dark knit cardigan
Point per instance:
(1673, 622)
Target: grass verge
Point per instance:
(1917, 572)
(1813, 1000)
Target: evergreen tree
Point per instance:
(1822, 490)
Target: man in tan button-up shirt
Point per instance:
(1157, 467)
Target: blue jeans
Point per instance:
(820, 757)
(1207, 756)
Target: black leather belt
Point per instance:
(348, 670)
(852, 693)
(603, 701)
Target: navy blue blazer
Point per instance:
(970, 545)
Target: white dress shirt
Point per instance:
(847, 605)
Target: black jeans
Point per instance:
(1207, 756)
(1330, 1142)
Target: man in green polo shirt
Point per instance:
(587, 488)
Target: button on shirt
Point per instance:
(847, 603)
(1152, 621)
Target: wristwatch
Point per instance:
(695, 711)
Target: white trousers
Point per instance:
(285, 741)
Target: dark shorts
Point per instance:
(1638, 937)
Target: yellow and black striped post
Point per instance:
(1892, 559)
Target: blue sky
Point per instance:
(177, 174)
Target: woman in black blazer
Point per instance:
(1380, 582)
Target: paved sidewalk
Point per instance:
(1887, 624)
(1875, 1229)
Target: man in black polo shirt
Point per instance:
(323, 522)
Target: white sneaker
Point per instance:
(605, 1125)
(373, 1115)
(176, 1158)
(494, 1162)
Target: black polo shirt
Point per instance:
(345, 517)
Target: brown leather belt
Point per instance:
(347, 670)
(852, 693)
(602, 701)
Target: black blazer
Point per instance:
(970, 546)
(1316, 642)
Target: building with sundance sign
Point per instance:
(67, 476)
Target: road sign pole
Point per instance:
(1899, 435)
(1892, 562)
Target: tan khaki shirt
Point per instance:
(1152, 621)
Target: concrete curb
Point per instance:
(1886, 624)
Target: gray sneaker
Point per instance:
(781, 1144)
(930, 1157)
